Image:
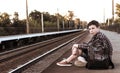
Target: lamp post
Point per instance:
(27, 21)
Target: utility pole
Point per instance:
(112, 11)
(27, 20)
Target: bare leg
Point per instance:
(75, 53)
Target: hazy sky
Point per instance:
(83, 9)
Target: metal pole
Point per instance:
(112, 11)
(104, 15)
(42, 22)
(58, 19)
(108, 22)
(58, 22)
(27, 21)
(63, 25)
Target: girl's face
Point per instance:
(93, 29)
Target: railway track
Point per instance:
(25, 56)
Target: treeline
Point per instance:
(113, 24)
(15, 26)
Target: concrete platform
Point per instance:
(115, 40)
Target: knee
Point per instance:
(75, 46)
(74, 50)
(74, 55)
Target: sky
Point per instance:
(86, 10)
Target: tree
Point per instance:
(0, 20)
(118, 13)
(5, 20)
(118, 9)
(17, 22)
(35, 15)
(70, 15)
(52, 18)
(77, 23)
(46, 16)
(16, 16)
(16, 19)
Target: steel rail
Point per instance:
(24, 66)
(22, 50)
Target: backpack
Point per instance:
(98, 58)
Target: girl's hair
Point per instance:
(93, 22)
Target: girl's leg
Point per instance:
(75, 53)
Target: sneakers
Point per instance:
(64, 63)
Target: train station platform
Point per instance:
(115, 40)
